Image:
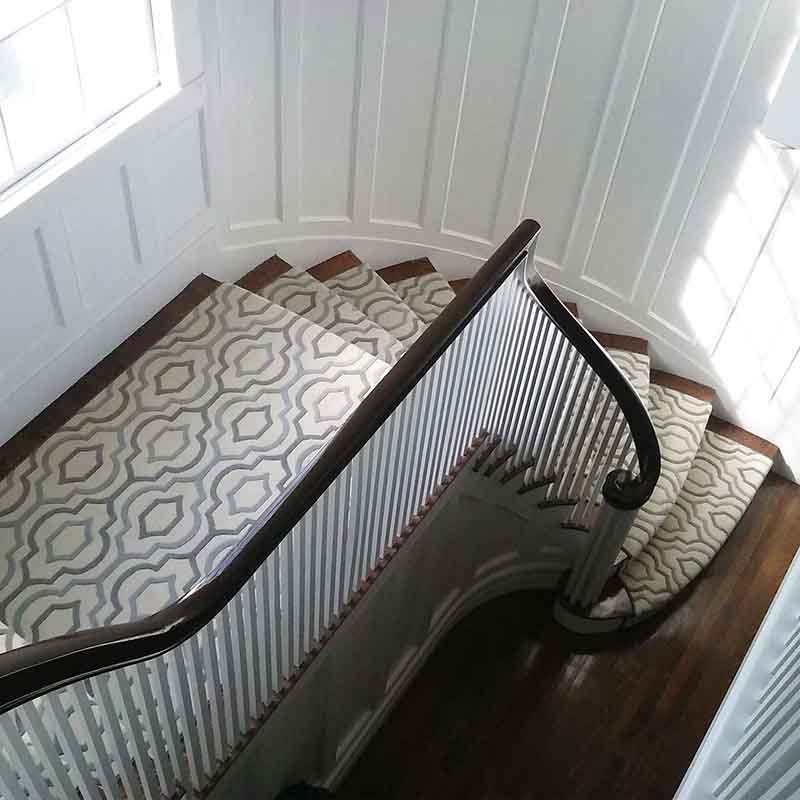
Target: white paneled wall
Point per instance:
(92, 255)
(628, 128)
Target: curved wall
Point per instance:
(628, 128)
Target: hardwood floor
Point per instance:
(510, 706)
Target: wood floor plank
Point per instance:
(510, 706)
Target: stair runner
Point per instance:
(149, 483)
(710, 473)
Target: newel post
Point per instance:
(608, 533)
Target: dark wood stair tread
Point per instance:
(682, 385)
(335, 265)
(262, 275)
(741, 436)
(414, 268)
(615, 341)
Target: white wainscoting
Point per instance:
(96, 252)
(628, 128)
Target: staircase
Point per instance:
(186, 529)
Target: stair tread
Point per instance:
(295, 289)
(616, 341)
(146, 488)
(458, 284)
(679, 420)
(421, 287)
(743, 437)
(361, 285)
(723, 479)
(682, 385)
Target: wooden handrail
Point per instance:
(621, 489)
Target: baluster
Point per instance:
(29, 771)
(44, 748)
(560, 449)
(535, 386)
(10, 783)
(286, 585)
(119, 744)
(388, 482)
(159, 680)
(606, 469)
(159, 747)
(582, 474)
(597, 455)
(75, 756)
(264, 624)
(272, 591)
(344, 536)
(135, 740)
(549, 369)
(527, 334)
(576, 440)
(554, 410)
(246, 635)
(230, 675)
(191, 738)
(202, 711)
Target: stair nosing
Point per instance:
(616, 341)
(413, 268)
(262, 275)
(335, 265)
(683, 385)
(741, 436)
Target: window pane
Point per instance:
(14, 14)
(40, 96)
(114, 44)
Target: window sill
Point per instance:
(74, 154)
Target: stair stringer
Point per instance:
(479, 540)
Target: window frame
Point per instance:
(173, 31)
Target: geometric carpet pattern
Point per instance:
(679, 420)
(298, 291)
(368, 292)
(426, 295)
(723, 480)
(153, 483)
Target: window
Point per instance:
(66, 66)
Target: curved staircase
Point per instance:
(161, 472)
(710, 471)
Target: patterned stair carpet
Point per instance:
(710, 473)
(367, 291)
(297, 290)
(722, 481)
(153, 482)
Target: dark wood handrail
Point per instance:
(41, 667)
(621, 489)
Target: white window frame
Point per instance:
(179, 57)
